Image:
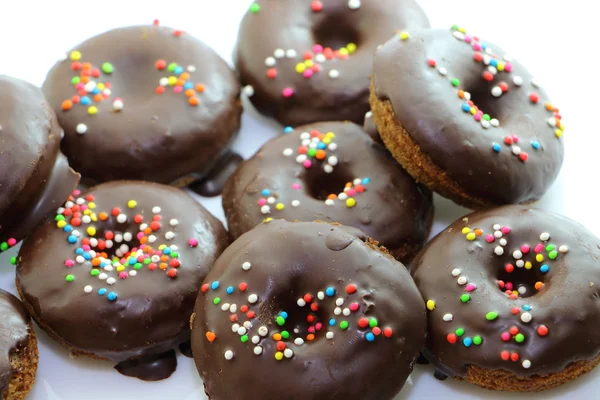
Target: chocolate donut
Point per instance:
(116, 274)
(307, 62)
(512, 295)
(331, 171)
(144, 102)
(370, 127)
(317, 311)
(35, 177)
(18, 349)
(465, 119)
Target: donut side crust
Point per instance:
(24, 361)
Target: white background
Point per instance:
(556, 40)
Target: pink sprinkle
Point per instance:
(178, 89)
(311, 329)
(508, 285)
(470, 287)
(83, 207)
(354, 307)
(476, 46)
(296, 186)
(317, 48)
(11, 242)
(508, 67)
(505, 336)
(76, 192)
(490, 238)
(525, 249)
(307, 163)
(316, 67)
(505, 230)
(140, 234)
(515, 138)
(468, 39)
(79, 86)
(288, 92)
(86, 247)
(308, 73)
(318, 326)
(262, 202)
(351, 192)
(69, 263)
(538, 248)
(123, 275)
(193, 242)
(477, 117)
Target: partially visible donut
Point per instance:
(305, 62)
(512, 297)
(466, 119)
(306, 310)
(334, 172)
(144, 102)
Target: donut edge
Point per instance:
(24, 363)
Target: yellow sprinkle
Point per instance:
(162, 246)
(91, 231)
(91, 205)
(172, 80)
(120, 268)
(94, 217)
(462, 30)
(343, 51)
(351, 47)
(309, 63)
(558, 133)
(87, 212)
(528, 265)
(300, 67)
(430, 305)
(500, 66)
(267, 220)
(473, 111)
(539, 258)
(350, 202)
(326, 140)
(92, 110)
(330, 135)
(279, 356)
(61, 224)
(471, 236)
(101, 86)
(131, 203)
(466, 230)
(515, 292)
(280, 206)
(75, 56)
(404, 35)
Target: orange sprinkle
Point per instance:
(180, 82)
(193, 101)
(320, 155)
(549, 107)
(277, 337)
(162, 266)
(210, 336)
(85, 79)
(143, 240)
(184, 76)
(332, 196)
(461, 94)
(348, 184)
(86, 66)
(103, 216)
(98, 98)
(200, 88)
(164, 258)
(478, 232)
(538, 285)
(67, 105)
(189, 93)
(96, 262)
(310, 337)
(148, 231)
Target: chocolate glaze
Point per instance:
(35, 177)
(294, 25)
(213, 183)
(567, 304)
(151, 314)
(155, 137)
(155, 367)
(289, 260)
(393, 210)
(370, 127)
(186, 349)
(429, 109)
(14, 333)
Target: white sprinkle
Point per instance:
(279, 53)
(246, 266)
(173, 222)
(122, 218)
(288, 353)
(305, 135)
(242, 331)
(455, 272)
(295, 203)
(342, 196)
(258, 350)
(109, 244)
(487, 59)
(81, 129)
(255, 339)
(90, 86)
(489, 50)
(320, 58)
(229, 355)
(507, 57)
(301, 158)
(333, 161)
(111, 281)
(526, 364)
(88, 289)
(443, 71)
(339, 302)
(346, 312)
(503, 242)
(516, 150)
(143, 227)
(462, 280)
(485, 123)
(517, 254)
(320, 295)
(526, 317)
(86, 219)
(354, 4)
(169, 235)
(80, 201)
(520, 263)
(131, 273)
(499, 251)
(163, 81)
(492, 69)
(357, 181)
(80, 259)
(127, 236)
(270, 62)
(291, 53)
(329, 202)
(225, 307)
(535, 83)
(337, 311)
(247, 324)
(448, 317)
(263, 331)
(249, 90)
(298, 341)
(252, 299)
(118, 104)
(235, 327)
(544, 236)
(271, 200)
(334, 74)
(102, 276)
(564, 248)
(232, 308)
(459, 35)
(496, 91)
(332, 146)
(495, 123)
(467, 96)
(124, 248)
(328, 168)
(265, 209)
(191, 68)
(60, 210)
(69, 204)
(329, 335)
(522, 289)
(288, 152)
(151, 239)
(517, 80)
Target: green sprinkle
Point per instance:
(344, 325)
(59, 218)
(147, 261)
(69, 278)
(3, 246)
(373, 322)
(174, 254)
(312, 152)
(285, 334)
(477, 340)
(454, 28)
(138, 266)
(459, 332)
(492, 315)
(550, 247)
(244, 338)
(455, 82)
(216, 300)
(13, 260)
(519, 338)
(486, 117)
(95, 272)
(280, 320)
(75, 80)
(107, 68)
(254, 8)
(465, 297)
(171, 67)
(553, 254)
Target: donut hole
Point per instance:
(482, 98)
(522, 280)
(320, 185)
(335, 32)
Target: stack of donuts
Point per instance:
(324, 284)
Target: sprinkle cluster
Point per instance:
(313, 147)
(11, 242)
(245, 325)
(530, 257)
(179, 81)
(79, 219)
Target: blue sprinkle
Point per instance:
(96, 91)
(87, 256)
(102, 292)
(526, 307)
(496, 147)
(68, 228)
(112, 296)
(85, 100)
(178, 70)
(188, 85)
(483, 46)
(535, 144)
(370, 337)
(79, 251)
(467, 342)
(321, 145)
(72, 239)
(466, 107)
(265, 192)
(330, 291)
(103, 264)
(284, 314)
(366, 181)
(332, 322)
(230, 290)
(214, 285)
(166, 250)
(287, 129)
(544, 268)
(132, 260)
(494, 62)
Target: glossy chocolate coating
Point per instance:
(35, 177)
(393, 209)
(293, 25)
(151, 313)
(567, 304)
(289, 260)
(428, 107)
(14, 332)
(155, 137)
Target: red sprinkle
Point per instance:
(451, 338)
(243, 286)
(317, 6)
(205, 288)
(308, 298)
(351, 289)
(431, 62)
(363, 323)
(534, 97)
(387, 332)
(488, 76)
(542, 330)
(505, 355)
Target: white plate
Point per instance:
(554, 39)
